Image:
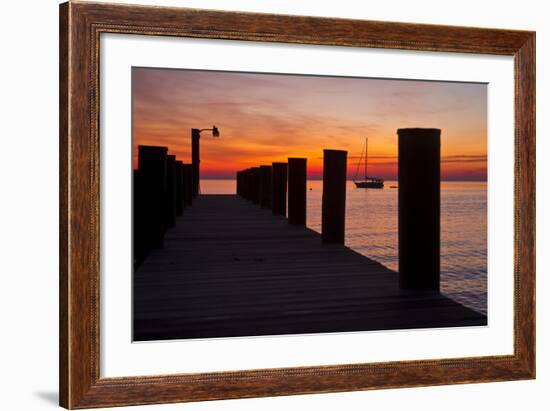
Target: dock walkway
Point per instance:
(230, 268)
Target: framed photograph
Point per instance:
(258, 205)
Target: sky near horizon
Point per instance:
(265, 118)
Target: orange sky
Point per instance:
(265, 118)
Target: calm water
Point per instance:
(371, 229)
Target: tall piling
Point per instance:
(248, 184)
(334, 196)
(195, 159)
(297, 175)
(265, 186)
(239, 176)
(138, 220)
(255, 185)
(179, 188)
(419, 208)
(170, 193)
(244, 183)
(278, 188)
(188, 184)
(149, 226)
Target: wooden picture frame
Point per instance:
(80, 27)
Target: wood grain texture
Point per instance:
(81, 25)
(525, 281)
(63, 205)
(232, 269)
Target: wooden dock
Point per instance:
(230, 268)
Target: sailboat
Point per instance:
(368, 182)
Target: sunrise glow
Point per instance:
(265, 118)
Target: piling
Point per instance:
(149, 230)
(255, 185)
(170, 193)
(187, 185)
(278, 188)
(195, 159)
(179, 188)
(248, 184)
(419, 208)
(239, 183)
(265, 186)
(243, 183)
(138, 218)
(334, 196)
(297, 174)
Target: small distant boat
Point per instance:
(367, 182)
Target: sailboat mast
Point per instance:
(366, 155)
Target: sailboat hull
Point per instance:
(369, 184)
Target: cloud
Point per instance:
(263, 117)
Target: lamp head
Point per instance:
(215, 131)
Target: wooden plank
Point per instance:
(230, 268)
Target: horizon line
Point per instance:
(351, 179)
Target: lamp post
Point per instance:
(195, 154)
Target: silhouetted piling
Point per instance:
(138, 218)
(265, 186)
(243, 184)
(248, 184)
(239, 177)
(149, 227)
(196, 159)
(419, 208)
(334, 196)
(297, 175)
(243, 178)
(188, 185)
(179, 188)
(255, 185)
(278, 188)
(170, 205)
